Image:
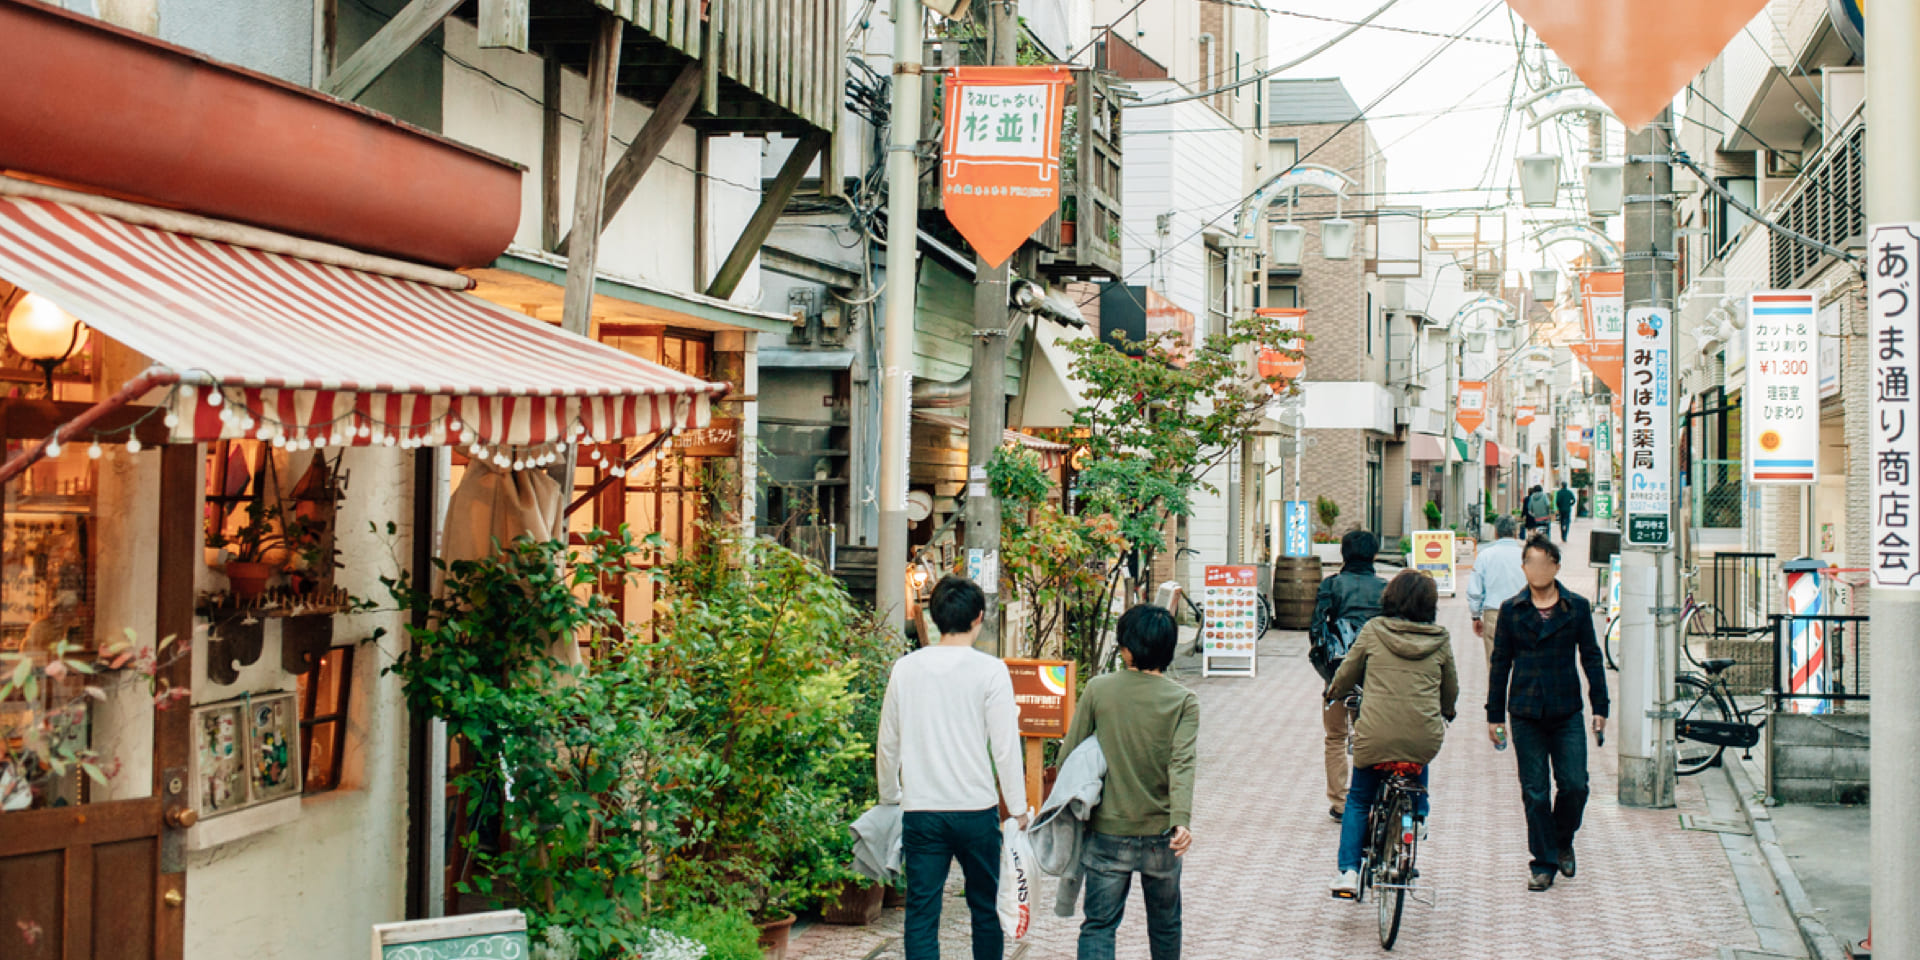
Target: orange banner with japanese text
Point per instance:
(1470, 407)
(1281, 367)
(1522, 416)
(1000, 159)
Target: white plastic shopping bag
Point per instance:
(1017, 877)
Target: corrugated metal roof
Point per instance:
(1322, 100)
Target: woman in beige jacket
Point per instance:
(1404, 660)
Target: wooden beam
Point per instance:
(551, 90)
(646, 146)
(702, 151)
(503, 24)
(590, 181)
(401, 34)
(772, 203)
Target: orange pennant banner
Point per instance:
(1605, 358)
(1000, 161)
(1470, 407)
(1522, 416)
(1635, 55)
(1276, 364)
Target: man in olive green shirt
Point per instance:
(1148, 727)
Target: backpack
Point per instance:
(1540, 505)
(1334, 644)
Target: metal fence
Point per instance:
(1817, 667)
(1719, 494)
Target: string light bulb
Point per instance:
(171, 420)
(53, 448)
(94, 451)
(133, 444)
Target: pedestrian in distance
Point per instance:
(1148, 726)
(1539, 509)
(1344, 604)
(947, 724)
(1543, 643)
(1404, 660)
(1497, 575)
(1564, 502)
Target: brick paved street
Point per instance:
(1255, 882)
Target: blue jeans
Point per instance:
(929, 843)
(1566, 520)
(1559, 742)
(1362, 789)
(1110, 863)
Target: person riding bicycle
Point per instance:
(1405, 661)
(1539, 511)
(1344, 603)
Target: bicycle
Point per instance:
(1387, 863)
(1703, 620)
(1706, 728)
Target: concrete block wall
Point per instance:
(1817, 758)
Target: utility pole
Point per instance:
(1893, 196)
(1649, 575)
(987, 404)
(1449, 509)
(896, 375)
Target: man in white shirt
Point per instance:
(949, 753)
(1497, 577)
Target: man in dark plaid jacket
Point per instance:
(1535, 687)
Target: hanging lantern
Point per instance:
(1539, 179)
(1476, 341)
(1336, 239)
(1289, 243)
(1605, 186)
(1546, 284)
(1505, 337)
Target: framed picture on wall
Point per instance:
(219, 759)
(273, 755)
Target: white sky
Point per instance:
(1439, 130)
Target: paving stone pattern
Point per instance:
(1255, 883)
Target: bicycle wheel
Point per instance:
(1263, 611)
(1703, 624)
(1396, 862)
(1610, 642)
(1704, 703)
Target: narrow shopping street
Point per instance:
(1255, 884)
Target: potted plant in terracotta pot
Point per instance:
(250, 549)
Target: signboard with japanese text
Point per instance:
(1000, 158)
(1298, 537)
(1893, 285)
(1830, 350)
(1433, 555)
(719, 438)
(1471, 405)
(1274, 363)
(1603, 467)
(1231, 603)
(1604, 301)
(1522, 416)
(1648, 435)
(1043, 690)
(1783, 385)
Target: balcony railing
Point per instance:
(1827, 202)
(768, 65)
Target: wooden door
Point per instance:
(107, 880)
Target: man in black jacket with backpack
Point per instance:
(1346, 601)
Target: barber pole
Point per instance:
(1806, 648)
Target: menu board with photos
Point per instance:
(1231, 603)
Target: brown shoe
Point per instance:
(1539, 882)
(1336, 813)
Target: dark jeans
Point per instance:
(929, 843)
(1111, 862)
(1552, 819)
(1362, 790)
(1566, 520)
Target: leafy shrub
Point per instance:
(727, 934)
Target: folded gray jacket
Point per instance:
(1059, 831)
(876, 843)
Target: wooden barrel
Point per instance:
(1295, 582)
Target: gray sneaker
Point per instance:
(1346, 886)
(1539, 882)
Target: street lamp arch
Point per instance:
(1581, 232)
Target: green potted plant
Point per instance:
(249, 547)
(1432, 511)
(1326, 544)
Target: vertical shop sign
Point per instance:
(1893, 267)
(1000, 160)
(1783, 386)
(1649, 427)
(1297, 533)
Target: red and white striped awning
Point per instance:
(267, 344)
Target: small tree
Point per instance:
(1329, 515)
(1157, 418)
(1050, 558)
(1432, 510)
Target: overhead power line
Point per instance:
(1270, 71)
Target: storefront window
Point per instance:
(324, 694)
